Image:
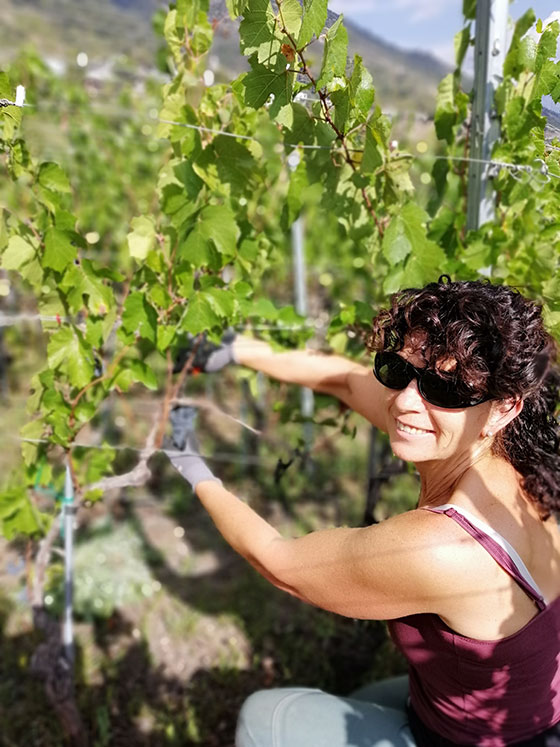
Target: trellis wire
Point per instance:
(513, 167)
(217, 457)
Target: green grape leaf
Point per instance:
(298, 125)
(59, 249)
(424, 267)
(68, 351)
(142, 238)
(234, 162)
(177, 203)
(264, 308)
(314, 19)
(257, 30)
(139, 317)
(222, 301)
(10, 116)
(200, 315)
(165, 336)
(65, 221)
(335, 54)
(341, 101)
(34, 431)
(469, 9)
(215, 223)
(18, 515)
(405, 233)
(81, 282)
(202, 37)
(172, 38)
(53, 178)
(290, 13)
(372, 157)
(362, 92)
(99, 463)
(294, 202)
(478, 254)
(461, 43)
(512, 64)
(262, 82)
(132, 372)
(159, 296)
(446, 115)
(547, 46)
(17, 253)
(236, 8)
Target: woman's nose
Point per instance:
(410, 397)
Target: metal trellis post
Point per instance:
(68, 526)
(490, 52)
(300, 292)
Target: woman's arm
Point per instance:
(381, 572)
(408, 564)
(350, 382)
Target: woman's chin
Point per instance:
(409, 452)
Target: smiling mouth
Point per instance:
(413, 431)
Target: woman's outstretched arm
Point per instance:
(389, 570)
(398, 567)
(348, 381)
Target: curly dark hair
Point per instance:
(497, 340)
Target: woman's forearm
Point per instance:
(243, 529)
(324, 373)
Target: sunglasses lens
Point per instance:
(440, 392)
(392, 371)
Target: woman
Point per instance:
(465, 386)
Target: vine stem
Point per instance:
(172, 390)
(141, 473)
(323, 98)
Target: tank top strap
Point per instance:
(497, 546)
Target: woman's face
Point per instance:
(420, 431)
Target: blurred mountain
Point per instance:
(405, 81)
(60, 29)
(552, 114)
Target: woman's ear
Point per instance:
(502, 413)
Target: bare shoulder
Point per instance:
(433, 538)
(396, 568)
(427, 556)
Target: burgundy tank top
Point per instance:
(486, 693)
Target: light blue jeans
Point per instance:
(374, 716)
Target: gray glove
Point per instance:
(208, 357)
(187, 459)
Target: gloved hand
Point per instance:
(208, 356)
(186, 459)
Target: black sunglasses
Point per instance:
(396, 373)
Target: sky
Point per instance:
(427, 25)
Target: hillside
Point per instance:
(59, 29)
(553, 117)
(105, 28)
(405, 81)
